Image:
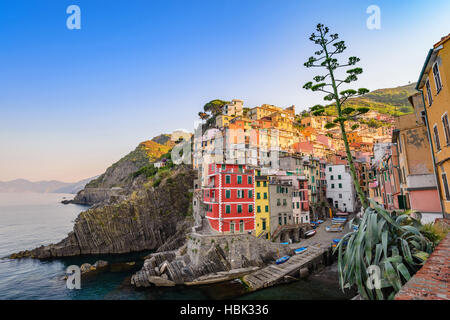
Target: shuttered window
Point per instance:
(429, 96)
(445, 183)
(446, 128)
(437, 77)
(436, 138)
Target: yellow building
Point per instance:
(434, 82)
(262, 205)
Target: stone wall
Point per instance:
(431, 281)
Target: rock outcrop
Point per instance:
(148, 219)
(119, 181)
(209, 258)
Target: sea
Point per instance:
(29, 220)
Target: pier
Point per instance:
(290, 270)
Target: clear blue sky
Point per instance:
(72, 102)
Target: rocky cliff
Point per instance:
(118, 180)
(147, 219)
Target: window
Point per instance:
(329, 169)
(258, 183)
(258, 195)
(332, 186)
(250, 193)
(227, 209)
(250, 208)
(223, 167)
(340, 195)
(239, 208)
(429, 96)
(445, 183)
(331, 177)
(239, 179)
(437, 78)
(265, 195)
(228, 194)
(284, 202)
(265, 183)
(436, 138)
(258, 208)
(249, 179)
(227, 179)
(278, 202)
(339, 177)
(266, 208)
(340, 185)
(446, 128)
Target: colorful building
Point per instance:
(434, 81)
(415, 172)
(262, 205)
(229, 198)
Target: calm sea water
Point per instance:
(31, 220)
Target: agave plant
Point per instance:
(392, 242)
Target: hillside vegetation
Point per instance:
(391, 101)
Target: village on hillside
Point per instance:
(273, 173)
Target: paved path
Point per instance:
(322, 238)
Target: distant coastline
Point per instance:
(52, 186)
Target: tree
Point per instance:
(325, 58)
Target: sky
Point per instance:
(72, 102)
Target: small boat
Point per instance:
(334, 228)
(300, 250)
(284, 242)
(313, 225)
(282, 260)
(310, 233)
(320, 221)
(336, 241)
(342, 213)
(340, 219)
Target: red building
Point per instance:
(229, 197)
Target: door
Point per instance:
(241, 226)
(264, 224)
(232, 227)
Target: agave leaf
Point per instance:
(384, 241)
(384, 213)
(404, 271)
(378, 250)
(423, 256)
(407, 253)
(415, 244)
(392, 276)
(392, 295)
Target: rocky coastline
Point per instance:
(205, 259)
(148, 219)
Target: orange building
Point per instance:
(434, 81)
